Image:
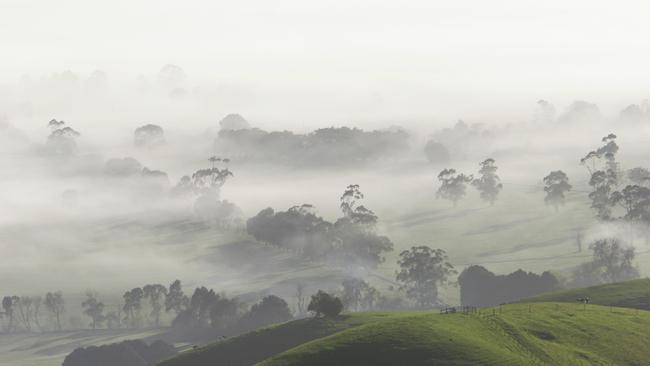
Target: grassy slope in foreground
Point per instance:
(550, 334)
(263, 343)
(629, 294)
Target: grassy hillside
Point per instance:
(544, 334)
(629, 294)
(256, 346)
(517, 334)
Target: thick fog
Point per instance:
(95, 211)
(289, 63)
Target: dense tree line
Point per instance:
(422, 270)
(480, 287)
(350, 240)
(329, 146)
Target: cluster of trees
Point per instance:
(25, 312)
(129, 167)
(62, 139)
(615, 195)
(453, 185)
(583, 111)
(480, 287)
(205, 308)
(422, 270)
(144, 184)
(460, 141)
(351, 240)
(204, 186)
(147, 306)
(359, 295)
(141, 306)
(330, 146)
(605, 176)
(612, 262)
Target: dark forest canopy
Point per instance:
(301, 230)
(480, 287)
(350, 240)
(331, 146)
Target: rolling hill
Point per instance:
(516, 334)
(629, 294)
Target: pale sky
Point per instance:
(409, 54)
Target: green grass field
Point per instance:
(517, 334)
(256, 346)
(629, 294)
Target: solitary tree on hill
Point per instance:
(324, 304)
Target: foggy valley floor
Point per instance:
(352, 182)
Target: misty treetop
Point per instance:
(55, 304)
(356, 214)
(325, 146)
(204, 187)
(545, 112)
(453, 185)
(350, 240)
(612, 262)
(128, 175)
(62, 139)
(488, 183)
(436, 152)
(460, 141)
(359, 295)
(270, 310)
(556, 184)
(205, 181)
(149, 136)
(632, 202)
(421, 270)
(581, 111)
(604, 176)
(94, 309)
(638, 175)
(234, 122)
